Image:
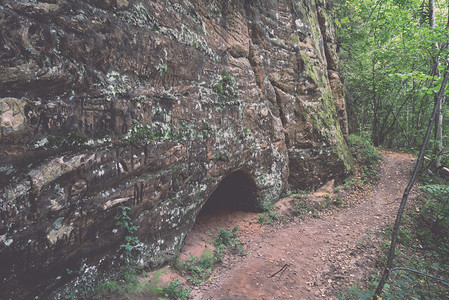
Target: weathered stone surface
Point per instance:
(151, 104)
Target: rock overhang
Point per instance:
(152, 104)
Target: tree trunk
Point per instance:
(439, 135)
(432, 13)
(439, 120)
(376, 108)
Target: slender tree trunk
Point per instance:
(375, 138)
(439, 134)
(439, 120)
(406, 127)
(397, 224)
(415, 119)
(432, 13)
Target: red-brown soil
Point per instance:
(316, 258)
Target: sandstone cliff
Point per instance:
(152, 104)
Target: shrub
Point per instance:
(200, 268)
(131, 240)
(175, 291)
(367, 156)
(432, 222)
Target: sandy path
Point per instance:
(320, 256)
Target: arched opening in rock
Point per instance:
(236, 192)
(232, 203)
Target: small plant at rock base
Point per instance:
(132, 241)
(302, 207)
(329, 201)
(299, 192)
(269, 216)
(338, 202)
(130, 283)
(176, 292)
(227, 239)
(367, 155)
(219, 252)
(199, 268)
(109, 286)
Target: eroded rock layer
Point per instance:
(150, 105)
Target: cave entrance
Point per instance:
(236, 192)
(232, 203)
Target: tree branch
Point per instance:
(420, 273)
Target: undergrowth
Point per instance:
(303, 206)
(422, 259)
(132, 282)
(199, 269)
(270, 215)
(176, 291)
(136, 283)
(367, 157)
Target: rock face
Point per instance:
(151, 105)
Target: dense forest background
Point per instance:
(394, 57)
(393, 54)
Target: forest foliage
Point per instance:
(391, 62)
(394, 55)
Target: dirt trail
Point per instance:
(316, 258)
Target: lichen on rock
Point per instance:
(151, 105)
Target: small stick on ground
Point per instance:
(281, 270)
